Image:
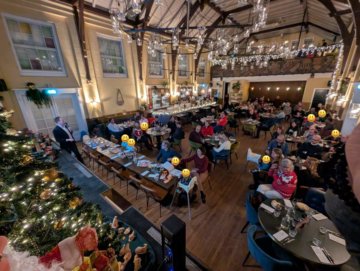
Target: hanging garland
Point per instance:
(38, 97)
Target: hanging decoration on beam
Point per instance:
(333, 85)
(260, 56)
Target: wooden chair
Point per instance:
(94, 158)
(120, 173)
(177, 142)
(136, 183)
(251, 157)
(234, 150)
(152, 193)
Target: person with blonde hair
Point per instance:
(284, 182)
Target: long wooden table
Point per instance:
(131, 166)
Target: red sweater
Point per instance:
(285, 184)
(223, 121)
(200, 163)
(207, 131)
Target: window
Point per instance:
(155, 64)
(294, 45)
(183, 66)
(112, 57)
(36, 46)
(308, 42)
(201, 72)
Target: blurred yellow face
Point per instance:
(266, 159)
(175, 161)
(144, 126)
(131, 142)
(185, 173)
(335, 133)
(124, 138)
(322, 113)
(311, 118)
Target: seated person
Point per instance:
(293, 129)
(221, 123)
(265, 125)
(298, 117)
(312, 149)
(179, 133)
(329, 126)
(309, 134)
(114, 129)
(280, 115)
(207, 130)
(143, 119)
(126, 146)
(166, 153)
(284, 182)
(276, 155)
(279, 131)
(137, 116)
(172, 125)
(195, 136)
(213, 112)
(223, 149)
(150, 119)
(201, 163)
(280, 143)
(141, 137)
(253, 114)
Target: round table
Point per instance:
(301, 246)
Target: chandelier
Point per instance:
(125, 8)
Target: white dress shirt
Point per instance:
(226, 145)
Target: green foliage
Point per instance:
(39, 205)
(4, 125)
(38, 97)
(236, 85)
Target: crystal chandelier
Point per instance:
(118, 13)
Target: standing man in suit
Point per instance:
(64, 136)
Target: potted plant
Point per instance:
(38, 97)
(236, 85)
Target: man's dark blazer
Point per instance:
(61, 136)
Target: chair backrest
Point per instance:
(252, 157)
(85, 138)
(315, 198)
(137, 182)
(251, 213)
(267, 262)
(187, 188)
(150, 192)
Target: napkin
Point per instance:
(141, 157)
(280, 235)
(267, 207)
(288, 203)
(319, 216)
(115, 156)
(128, 164)
(337, 239)
(320, 254)
(145, 173)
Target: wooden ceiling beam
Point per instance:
(341, 12)
(345, 34)
(193, 8)
(355, 7)
(324, 29)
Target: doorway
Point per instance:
(66, 103)
(319, 96)
(226, 95)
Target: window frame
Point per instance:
(308, 39)
(56, 41)
(163, 66)
(187, 66)
(203, 75)
(112, 38)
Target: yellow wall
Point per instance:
(311, 84)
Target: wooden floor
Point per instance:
(213, 234)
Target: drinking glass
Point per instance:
(323, 230)
(292, 230)
(277, 211)
(285, 222)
